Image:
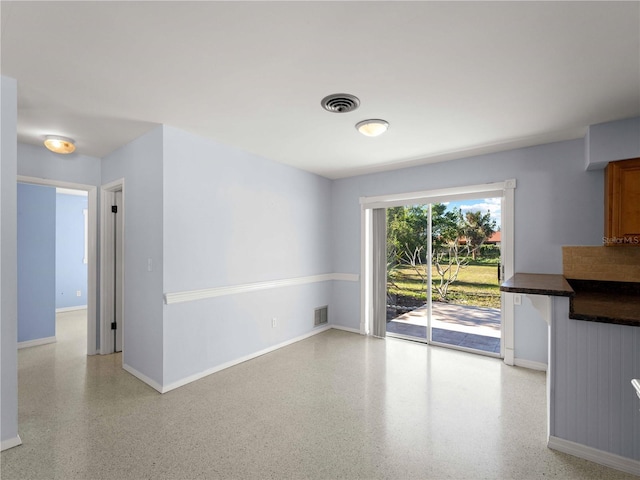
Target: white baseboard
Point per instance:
(198, 376)
(36, 342)
(594, 455)
(141, 376)
(10, 443)
(509, 356)
(521, 362)
(70, 309)
(192, 378)
(346, 329)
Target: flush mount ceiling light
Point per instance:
(59, 144)
(372, 127)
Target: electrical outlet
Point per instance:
(78, 293)
(273, 322)
(517, 299)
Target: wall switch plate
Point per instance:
(273, 322)
(517, 299)
(78, 293)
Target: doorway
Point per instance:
(72, 244)
(112, 268)
(72, 259)
(375, 263)
(90, 251)
(443, 272)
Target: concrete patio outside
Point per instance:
(460, 325)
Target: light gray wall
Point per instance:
(8, 263)
(611, 141)
(71, 269)
(556, 203)
(140, 164)
(37, 161)
(232, 218)
(36, 262)
(593, 401)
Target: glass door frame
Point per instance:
(505, 190)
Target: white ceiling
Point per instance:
(452, 78)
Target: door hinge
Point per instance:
(114, 209)
(114, 325)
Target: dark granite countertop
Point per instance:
(591, 300)
(538, 284)
(606, 302)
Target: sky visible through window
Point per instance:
(482, 204)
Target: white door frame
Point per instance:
(92, 261)
(499, 189)
(106, 258)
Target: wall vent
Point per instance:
(320, 316)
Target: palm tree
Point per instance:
(476, 229)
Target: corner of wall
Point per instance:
(611, 141)
(587, 151)
(8, 263)
(140, 164)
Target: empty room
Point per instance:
(320, 240)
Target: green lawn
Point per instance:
(477, 285)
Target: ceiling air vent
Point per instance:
(340, 103)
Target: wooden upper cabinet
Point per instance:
(622, 203)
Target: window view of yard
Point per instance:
(477, 284)
(466, 257)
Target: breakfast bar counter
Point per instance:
(590, 300)
(606, 302)
(538, 284)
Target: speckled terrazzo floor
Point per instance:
(337, 405)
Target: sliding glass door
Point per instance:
(408, 275)
(443, 264)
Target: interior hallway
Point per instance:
(336, 405)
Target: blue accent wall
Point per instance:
(36, 262)
(71, 271)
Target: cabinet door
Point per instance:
(622, 203)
